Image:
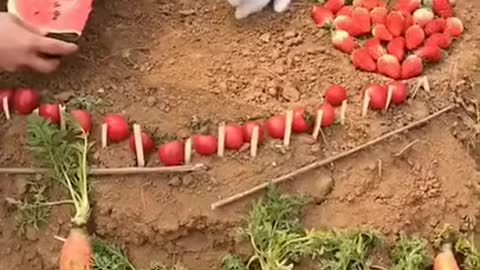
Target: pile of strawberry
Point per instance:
(397, 39)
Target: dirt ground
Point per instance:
(160, 62)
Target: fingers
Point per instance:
(51, 46)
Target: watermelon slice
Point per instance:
(63, 19)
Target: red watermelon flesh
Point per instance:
(53, 16)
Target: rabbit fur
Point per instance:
(244, 8)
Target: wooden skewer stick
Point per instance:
(318, 124)
(254, 142)
(366, 103)
(389, 97)
(63, 125)
(104, 135)
(288, 129)
(6, 108)
(137, 134)
(324, 162)
(343, 112)
(221, 140)
(112, 171)
(188, 151)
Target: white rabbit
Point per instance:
(243, 8)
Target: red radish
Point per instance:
(408, 20)
(147, 143)
(6, 93)
(374, 48)
(76, 252)
(361, 21)
(233, 137)
(335, 95)
(321, 16)
(430, 53)
(381, 32)
(445, 260)
(50, 112)
(334, 5)
(400, 92)
(435, 26)
(369, 4)
(388, 65)
(346, 10)
(328, 115)
(343, 42)
(406, 5)
(275, 126)
(25, 100)
(205, 144)
(378, 15)
(83, 118)
(117, 128)
(378, 96)
(344, 23)
(395, 23)
(441, 40)
(423, 16)
(396, 47)
(454, 27)
(442, 8)
(362, 60)
(414, 37)
(412, 67)
(301, 121)
(172, 153)
(248, 131)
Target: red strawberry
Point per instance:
(412, 67)
(430, 53)
(408, 6)
(334, 5)
(346, 10)
(395, 23)
(414, 37)
(381, 32)
(454, 27)
(343, 41)
(362, 60)
(344, 23)
(374, 48)
(423, 16)
(361, 21)
(442, 8)
(434, 26)
(321, 16)
(442, 40)
(378, 15)
(388, 65)
(396, 47)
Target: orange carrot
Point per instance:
(445, 260)
(76, 252)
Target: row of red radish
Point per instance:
(115, 128)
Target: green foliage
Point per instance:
(109, 257)
(233, 262)
(469, 253)
(410, 253)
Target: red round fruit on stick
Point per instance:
(83, 119)
(335, 95)
(172, 153)
(328, 116)
(117, 128)
(205, 145)
(6, 93)
(25, 100)
(301, 121)
(275, 126)
(400, 92)
(147, 143)
(50, 112)
(233, 136)
(378, 96)
(248, 131)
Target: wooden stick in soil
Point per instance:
(318, 124)
(389, 97)
(6, 108)
(254, 142)
(137, 134)
(343, 112)
(288, 128)
(221, 140)
(324, 162)
(112, 171)
(188, 151)
(365, 104)
(104, 135)
(63, 125)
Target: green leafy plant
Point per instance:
(469, 253)
(410, 253)
(161, 266)
(233, 262)
(109, 257)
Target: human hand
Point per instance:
(23, 47)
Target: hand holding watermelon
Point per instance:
(23, 47)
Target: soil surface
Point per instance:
(161, 62)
